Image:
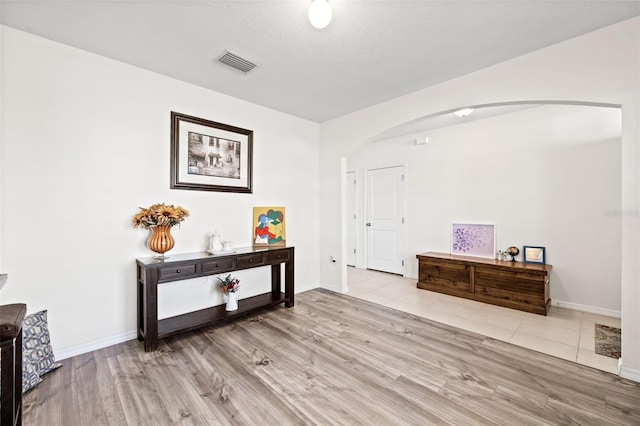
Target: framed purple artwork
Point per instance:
(473, 239)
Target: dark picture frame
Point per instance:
(534, 254)
(210, 156)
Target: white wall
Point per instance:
(1, 126)
(546, 176)
(602, 66)
(85, 142)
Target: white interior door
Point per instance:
(385, 219)
(351, 218)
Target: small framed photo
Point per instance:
(534, 254)
(473, 239)
(210, 156)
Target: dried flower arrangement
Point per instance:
(159, 214)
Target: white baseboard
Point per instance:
(587, 308)
(114, 340)
(334, 288)
(630, 373)
(94, 345)
(307, 288)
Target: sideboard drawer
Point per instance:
(172, 273)
(250, 260)
(445, 274)
(278, 256)
(217, 265)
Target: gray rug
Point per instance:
(608, 341)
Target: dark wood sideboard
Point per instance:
(153, 272)
(516, 285)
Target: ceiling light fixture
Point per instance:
(463, 112)
(320, 13)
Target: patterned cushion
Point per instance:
(36, 344)
(30, 376)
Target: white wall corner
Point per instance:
(630, 374)
(335, 288)
(311, 286)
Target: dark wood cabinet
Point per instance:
(517, 285)
(152, 272)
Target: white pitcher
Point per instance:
(215, 243)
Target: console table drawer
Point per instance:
(218, 265)
(278, 256)
(172, 273)
(250, 260)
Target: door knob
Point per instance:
(368, 223)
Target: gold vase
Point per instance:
(161, 240)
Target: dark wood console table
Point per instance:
(516, 285)
(152, 272)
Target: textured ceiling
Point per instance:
(371, 52)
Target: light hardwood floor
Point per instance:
(331, 359)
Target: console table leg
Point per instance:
(288, 278)
(140, 316)
(275, 279)
(150, 294)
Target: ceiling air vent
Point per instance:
(237, 62)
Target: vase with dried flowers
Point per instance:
(230, 287)
(160, 218)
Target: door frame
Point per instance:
(356, 227)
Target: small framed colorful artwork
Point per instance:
(473, 239)
(269, 227)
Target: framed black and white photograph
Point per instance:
(210, 156)
(534, 254)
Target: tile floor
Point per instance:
(564, 333)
